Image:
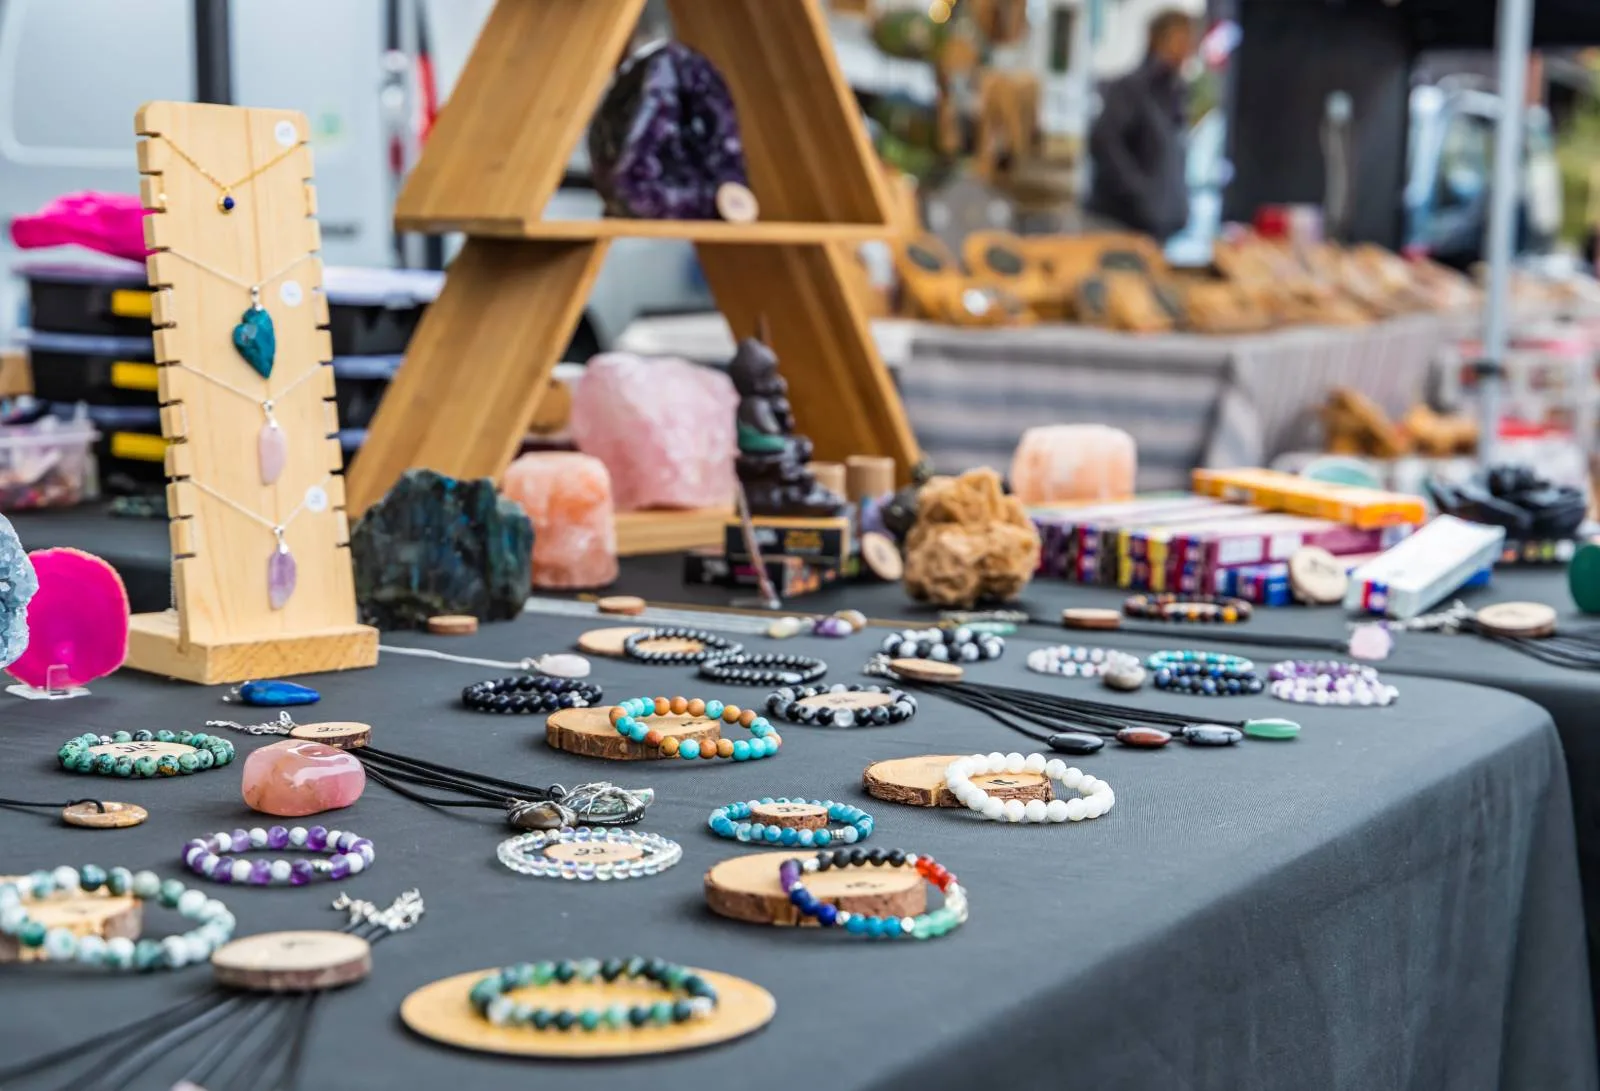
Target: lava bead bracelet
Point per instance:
(629, 719)
(957, 645)
(1069, 660)
(696, 998)
(1157, 660)
(711, 646)
(1201, 608)
(789, 704)
(525, 854)
(118, 954)
(349, 854)
(763, 669)
(928, 925)
(1329, 682)
(1095, 796)
(733, 822)
(529, 693)
(1209, 681)
(210, 751)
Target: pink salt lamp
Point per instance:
(297, 777)
(568, 499)
(77, 622)
(1069, 462)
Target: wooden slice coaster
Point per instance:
(882, 557)
(592, 852)
(1086, 617)
(347, 734)
(794, 816)
(82, 914)
(293, 961)
(621, 604)
(150, 749)
(1316, 577)
(441, 1012)
(609, 642)
(919, 782)
(452, 624)
(115, 816)
(926, 670)
(736, 204)
(847, 699)
(746, 888)
(588, 731)
(1527, 619)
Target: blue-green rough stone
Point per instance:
(256, 340)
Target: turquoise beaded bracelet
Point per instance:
(121, 754)
(696, 998)
(733, 822)
(629, 716)
(1158, 660)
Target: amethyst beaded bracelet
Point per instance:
(347, 853)
(1330, 682)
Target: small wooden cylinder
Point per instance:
(830, 475)
(868, 476)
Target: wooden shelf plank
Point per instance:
(716, 231)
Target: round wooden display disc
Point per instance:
(142, 749)
(919, 782)
(926, 670)
(82, 914)
(1530, 619)
(452, 624)
(1087, 617)
(882, 557)
(347, 734)
(588, 731)
(620, 604)
(795, 816)
(746, 888)
(115, 816)
(609, 642)
(736, 204)
(293, 961)
(847, 699)
(442, 1012)
(1316, 577)
(592, 852)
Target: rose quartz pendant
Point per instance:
(280, 575)
(272, 449)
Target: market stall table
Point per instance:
(1388, 901)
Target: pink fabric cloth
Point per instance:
(112, 223)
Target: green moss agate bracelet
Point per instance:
(140, 753)
(696, 998)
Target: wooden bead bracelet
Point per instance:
(1196, 608)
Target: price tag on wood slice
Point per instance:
(592, 852)
(1086, 617)
(746, 888)
(293, 961)
(736, 204)
(152, 749)
(794, 816)
(627, 605)
(1524, 619)
(926, 670)
(452, 624)
(1316, 577)
(606, 641)
(590, 732)
(347, 734)
(919, 782)
(882, 557)
(83, 914)
(847, 699)
(106, 816)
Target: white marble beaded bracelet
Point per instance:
(1094, 798)
(1069, 661)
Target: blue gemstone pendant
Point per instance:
(225, 202)
(256, 340)
(275, 694)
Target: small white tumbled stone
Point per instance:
(1013, 810)
(1072, 778)
(993, 808)
(1034, 763)
(1056, 810)
(1015, 763)
(225, 842)
(1034, 810)
(190, 902)
(1077, 810)
(281, 870)
(1055, 768)
(297, 836)
(258, 838)
(241, 871)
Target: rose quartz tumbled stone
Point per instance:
(568, 499)
(664, 428)
(1063, 462)
(297, 777)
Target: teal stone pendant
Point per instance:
(255, 338)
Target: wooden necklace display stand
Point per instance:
(222, 627)
(482, 358)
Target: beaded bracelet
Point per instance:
(789, 704)
(1094, 799)
(711, 645)
(1328, 682)
(79, 755)
(936, 922)
(733, 822)
(349, 855)
(1206, 608)
(529, 693)
(1069, 660)
(958, 645)
(1157, 660)
(1204, 681)
(62, 945)
(697, 999)
(629, 717)
(763, 669)
(524, 853)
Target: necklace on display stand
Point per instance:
(225, 199)
(281, 569)
(272, 446)
(255, 338)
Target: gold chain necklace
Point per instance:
(225, 201)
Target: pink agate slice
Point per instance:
(568, 499)
(297, 777)
(77, 622)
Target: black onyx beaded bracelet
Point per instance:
(763, 669)
(789, 703)
(529, 693)
(711, 645)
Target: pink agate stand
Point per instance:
(77, 626)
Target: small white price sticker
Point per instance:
(291, 293)
(316, 499)
(286, 134)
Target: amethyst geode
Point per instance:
(666, 137)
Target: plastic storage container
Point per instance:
(48, 464)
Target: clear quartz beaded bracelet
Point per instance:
(525, 853)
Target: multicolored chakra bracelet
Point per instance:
(696, 998)
(118, 954)
(1094, 798)
(629, 719)
(927, 925)
(957, 645)
(526, 693)
(207, 857)
(733, 822)
(1200, 608)
(710, 645)
(210, 751)
(524, 854)
(1329, 682)
(764, 669)
(789, 703)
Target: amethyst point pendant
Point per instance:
(281, 574)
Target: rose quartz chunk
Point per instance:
(568, 498)
(1065, 462)
(664, 428)
(298, 777)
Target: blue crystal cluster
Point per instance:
(17, 585)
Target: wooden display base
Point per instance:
(154, 646)
(83, 914)
(293, 961)
(919, 782)
(746, 888)
(641, 532)
(442, 1012)
(588, 731)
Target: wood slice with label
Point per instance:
(609, 642)
(919, 782)
(851, 699)
(452, 624)
(83, 914)
(1316, 577)
(347, 734)
(142, 749)
(589, 731)
(882, 557)
(746, 888)
(794, 816)
(1526, 619)
(620, 604)
(107, 816)
(926, 670)
(441, 1011)
(592, 852)
(1089, 617)
(293, 961)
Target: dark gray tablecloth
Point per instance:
(1389, 901)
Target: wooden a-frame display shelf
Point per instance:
(482, 357)
(222, 627)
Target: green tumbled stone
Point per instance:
(145, 767)
(543, 972)
(105, 764)
(167, 765)
(119, 880)
(171, 891)
(122, 736)
(31, 934)
(1272, 728)
(616, 1016)
(124, 767)
(146, 954)
(188, 763)
(204, 759)
(165, 736)
(85, 762)
(661, 1012)
(143, 736)
(92, 877)
(483, 992)
(588, 1019)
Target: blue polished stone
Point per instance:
(277, 694)
(256, 340)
